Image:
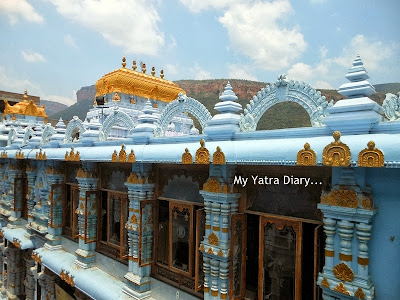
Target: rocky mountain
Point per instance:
(86, 92)
(52, 107)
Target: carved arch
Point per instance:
(12, 135)
(29, 132)
(179, 105)
(47, 133)
(72, 125)
(114, 118)
(285, 91)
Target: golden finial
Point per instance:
(162, 73)
(202, 142)
(123, 62)
(134, 65)
(143, 67)
(336, 135)
(25, 95)
(153, 71)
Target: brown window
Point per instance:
(70, 228)
(20, 201)
(113, 217)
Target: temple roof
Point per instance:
(137, 83)
(28, 108)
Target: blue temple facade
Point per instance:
(135, 202)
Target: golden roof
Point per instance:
(137, 83)
(25, 107)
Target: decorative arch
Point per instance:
(29, 132)
(179, 105)
(114, 118)
(75, 123)
(47, 133)
(12, 135)
(285, 91)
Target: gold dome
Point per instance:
(25, 107)
(137, 83)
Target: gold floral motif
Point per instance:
(19, 154)
(202, 154)
(219, 157)
(371, 156)
(134, 219)
(336, 154)
(187, 157)
(202, 248)
(212, 185)
(122, 154)
(359, 294)
(131, 157)
(367, 201)
(341, 197)
(343, 272)
(213, 239)
(3, 154)
(325, 282)
(41, 155)
(220, 253)
(114, 156)
(341, 289)
(210, 251)
(132, 178)
(306, 156)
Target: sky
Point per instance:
(54, 47)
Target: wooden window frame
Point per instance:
(73, 215)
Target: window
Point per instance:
(177, 248)
(113, 217)
(70, 228)
(20, 201)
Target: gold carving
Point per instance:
(341, 197)
(359, 294)
(114, 156)
(19, 154)
(132, 178)
(219, 157)
(212, 185)
(213, 239)
(131, 157)
(225, 188)
(220, 253)
(336, 154)
(3, 154)
(343, 272)
(122, 154)
(306, 156)
(202, 248)
(325, 282)
(134, 219)
(80, 173)
(41, 155)
(341, 289)
(187, 157)
(116, 97)
(17, 243)
(71, 156)
(132, 82)
(202, 154)
(24, 107)
(371, 156)
(210, 251)
(367, 202)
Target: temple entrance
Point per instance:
(283, 258)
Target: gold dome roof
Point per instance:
(137, 83)
(25, 107)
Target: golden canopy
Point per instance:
(137, 83)
(24, 107)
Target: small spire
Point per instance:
(134, 65)
(162, 73)
(123, 62)
(25, 95)
(228, 94)
(143, 68)
(153, 71)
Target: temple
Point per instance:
(135, 202)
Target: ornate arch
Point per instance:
(112, 119)
(72, 125)
(28, 133)
(47, 133)
(285, 91)
(182, 104)
(11, 136)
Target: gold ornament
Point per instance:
(306, 156)
(336, 154)
(341, 289)
(219, 157)
(343, 272)
(325, 282)
(341, 197)
(359, 294)
(187, 157)
(213, 239)
(371, 156)
(202, 154)
(212, 185)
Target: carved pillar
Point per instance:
(46, 281)
(15, 194)
(347, 206)
(140, 232)
(3, 286)
(55, 178)
(87, 215)
(30, 196)
(15, 271)
(30, 282)
(220, 203)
